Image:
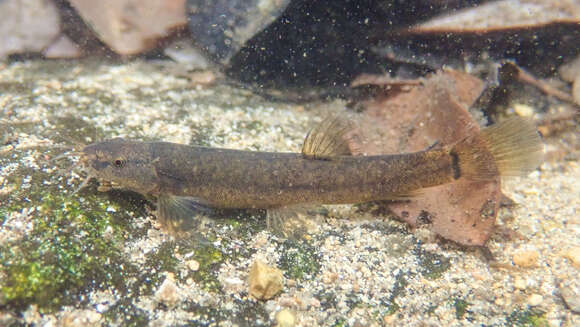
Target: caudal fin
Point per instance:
(510, 148)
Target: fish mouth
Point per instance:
(105, 186)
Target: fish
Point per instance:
(186, 180)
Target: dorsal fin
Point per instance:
(330, 138)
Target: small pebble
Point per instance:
(570, 290)
(168, 292)
(523, 110)
(535, 300)
(285, 318)
(193, 265)
(519, 283)
(265, 281)
(576, 90)
(526, 258)
(80, 318)
(573, 254)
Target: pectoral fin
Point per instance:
(180, 214)
(330, 138)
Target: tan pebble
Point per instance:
(526, 258)
(260, 240)
(168, 293)
(571, 70)
(572, 254)
(315, 303)
(576, 90)
(285, 318)
(329, 277)
(519, 283)
(389, 320)
(570, 291)
(79, 318)
(355, 287)
(535, 300)
(523, 110)
(550, 225)
(193, 265)
(265, 282)
(203, 78)
(478, 276)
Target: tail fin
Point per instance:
(510, 148)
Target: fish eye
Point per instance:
(119, 163)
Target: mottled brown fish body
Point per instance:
(187, 179)
(244, 179)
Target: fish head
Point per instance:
(120, 163)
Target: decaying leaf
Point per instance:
(505, 14)
(538, 35)
(435, 111)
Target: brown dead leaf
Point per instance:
(435, 111)
(504, 14)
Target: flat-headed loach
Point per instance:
(186, 180)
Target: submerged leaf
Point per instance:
(435, 111)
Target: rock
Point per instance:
(570, 290)
(535, 299)
(523, 110)
(27, 26)
(285, 318)
(570, 71)
(193, 265)
(184, 53)
(576, 90)
(222, 27)
(62, 48)
(526, 258)
(168, 293)
(572, 254)
(126, 25)
(265, 281)
(79, 318)
(519, 283)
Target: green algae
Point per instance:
(432, 265)
(391, 306)
(460, 307)
(125, 313)
(15, 88)
(73, 242)
(75, 130)
(298, 259)
(528, 317)
(246, 313)
(210, 259)
(164, 259)
(72, 247)
(340, 322)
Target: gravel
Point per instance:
(358, 267)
